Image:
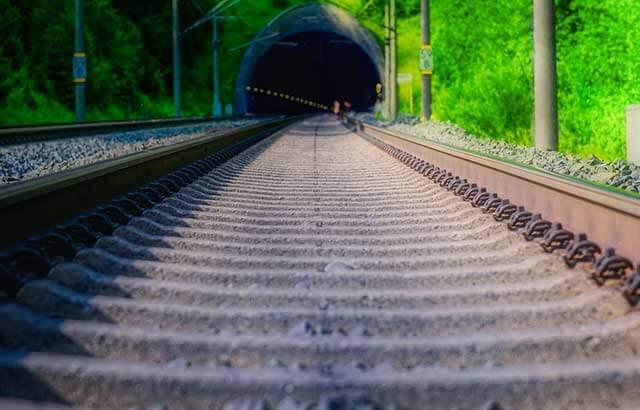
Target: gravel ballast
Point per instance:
(35, 159)
(619, 174)
(316, 271)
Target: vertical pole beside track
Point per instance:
(387, 62)
(217, 104)
(393, 49)
(426, 74)
(545, 76)
(633, 133)
(80, 64)
(177, 109)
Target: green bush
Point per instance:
(482, 52)
(483, 69)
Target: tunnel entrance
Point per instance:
(315, 52)
(316, 66)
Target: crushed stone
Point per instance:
(619, 173)
(35, 159)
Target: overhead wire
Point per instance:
(211, 13)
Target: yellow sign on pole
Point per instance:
(426, 60)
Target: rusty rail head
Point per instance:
(608, 218)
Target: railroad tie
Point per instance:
(318, 270)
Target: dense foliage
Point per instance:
(483, 68)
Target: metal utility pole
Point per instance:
(545, 76)
(633, 133)
(176, 60)
(214, 16)
(80, 64)
(426, 69)
(387, 62)
(217, 104)
(393, 69)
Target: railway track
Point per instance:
(26, 134)
(315, 271)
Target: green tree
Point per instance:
(482, 53)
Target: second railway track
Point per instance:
(314, 271)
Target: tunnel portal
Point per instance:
(316, 52)
(316, 66)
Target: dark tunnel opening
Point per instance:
(316, 66)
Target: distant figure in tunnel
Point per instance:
(336, 108)
(347, 106)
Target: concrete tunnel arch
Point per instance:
(353, 62)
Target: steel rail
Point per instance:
(21, 134)
(313, 269)
(608, 218)
(31, 206)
